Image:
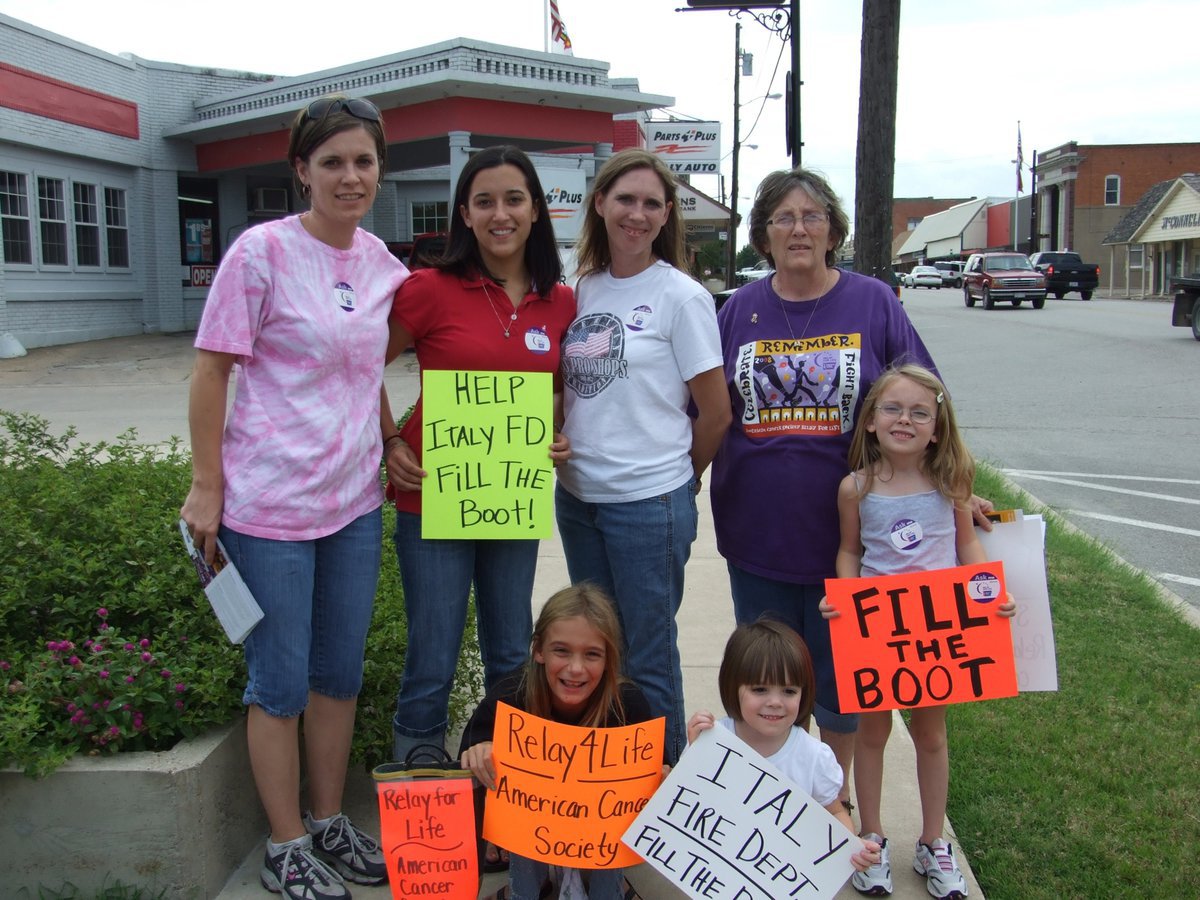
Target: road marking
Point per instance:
(1180, 579)
(1138, 523)
(1033, 472)
(1103, 487)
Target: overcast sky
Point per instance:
(1094, 71)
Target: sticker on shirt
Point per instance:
(593, 354)
(537, 341)
(639, 318)
(984, 587)
(343, 294)
(906, 534)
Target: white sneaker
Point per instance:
(942, 876)
(875, 881)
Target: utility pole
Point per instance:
(875, 162)
(731, 244)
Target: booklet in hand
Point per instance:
(231, 600)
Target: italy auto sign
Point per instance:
(688, 148)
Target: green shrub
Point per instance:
(98, 601)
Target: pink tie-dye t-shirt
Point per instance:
(308, 325)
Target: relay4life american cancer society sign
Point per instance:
(921, 639)
(486, 439)
(565, 794)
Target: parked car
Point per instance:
(951, 271)
(1185, 310)
(760, 269)
(421, 251)
(1003, 276)
(923, 276)
(1066, 272)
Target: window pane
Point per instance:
(87, 225)
(1112, 190)
(430, 216)
(14, 218)
(116, 231)
(52, 221)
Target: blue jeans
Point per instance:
(437, 578)
(526, 877)
(637, 552)
(795, 605)
(316, 597)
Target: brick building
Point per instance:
(1085, 190)
(122, 180)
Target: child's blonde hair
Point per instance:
(587, 601)
(766, 652)
(947, 463)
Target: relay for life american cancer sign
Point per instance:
(564, 794)
(921, 639)
(728, 825)
(485, 444)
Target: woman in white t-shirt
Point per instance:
(642, 350)
(289, 480)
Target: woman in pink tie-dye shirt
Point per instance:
(289, 479)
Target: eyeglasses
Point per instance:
(357, 107)
(916, 415)
(788, 221)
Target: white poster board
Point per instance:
(728, 825)
(1021, 545)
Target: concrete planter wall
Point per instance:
(179, 821)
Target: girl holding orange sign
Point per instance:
(905, 507)
(572, 676)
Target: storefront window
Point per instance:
(14, 218)
(1136, 255)
(52, 221)
(116, 227)
(87, 225)
(430, 216)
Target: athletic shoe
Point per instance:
(355, 855)
(942, 877)
(875, 881)
(295, 872)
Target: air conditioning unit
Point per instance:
(270, 200)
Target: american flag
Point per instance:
(1020, 160)
(558, 31)
(597, 344)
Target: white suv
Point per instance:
(951, 271)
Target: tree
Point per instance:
(876, 157)
(747, 256)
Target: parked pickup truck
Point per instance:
(1186, 310)
(1066, 272)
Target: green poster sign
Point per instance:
(486, 455)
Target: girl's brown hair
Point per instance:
(593, 252)
(310, 129)
(947, 463)
(766, 652)
(774, 189)
(589, 602)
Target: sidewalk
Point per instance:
(105, 387)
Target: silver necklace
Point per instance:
(783, 309)
(507, 330)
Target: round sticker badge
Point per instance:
(537, 341)
(984, 587)
(343, 295)
(639, 318)
(906, 534)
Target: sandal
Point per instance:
(495, 859)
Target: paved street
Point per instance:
(1091, 407)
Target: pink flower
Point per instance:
(180, 688)
(114, 731)
(103, 673)
(104, 626)
(4, 665)
(147, 657)
(129, 679)
(179, 704)
(71, 707)
(102, 613)
(165, 673)
(74, 661)
(129, 647)
(144, 643)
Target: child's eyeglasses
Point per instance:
(917, 415)
(357, 107)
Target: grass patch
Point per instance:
(1092, 791)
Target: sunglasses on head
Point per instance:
(357, 107)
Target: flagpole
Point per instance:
(546, 26)
(1016, 217)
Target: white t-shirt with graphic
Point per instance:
(626, 361)
(308, 325)
(806, 761)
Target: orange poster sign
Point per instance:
(564, 794)
(922, 639)
(428, 831)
